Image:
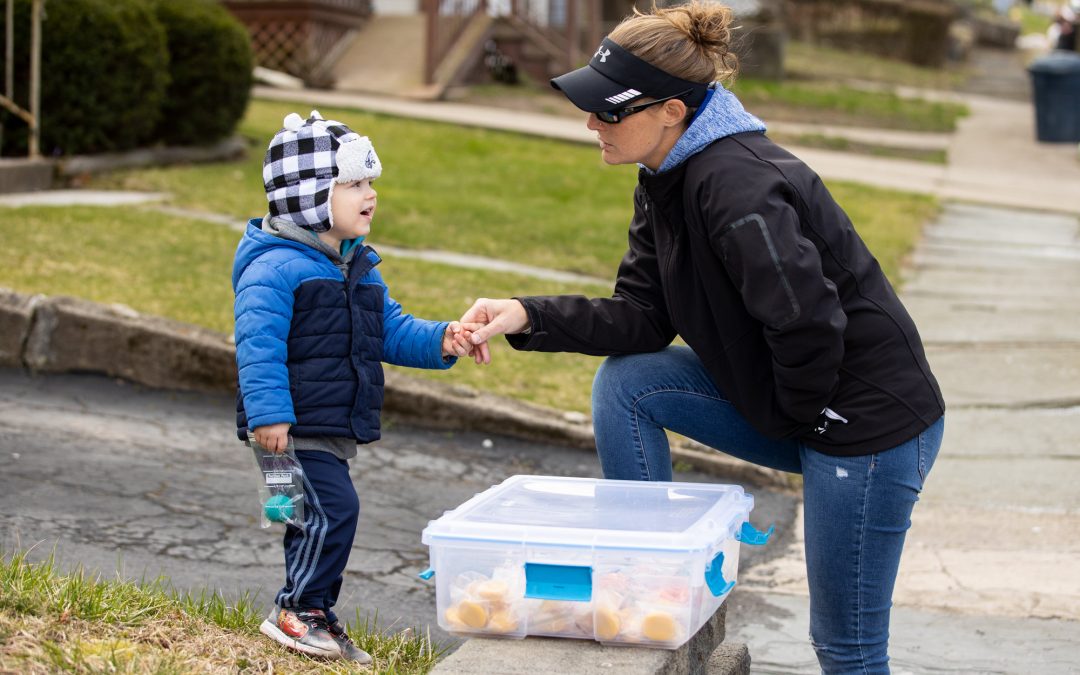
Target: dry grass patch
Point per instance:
(173, 644)
(52, 623)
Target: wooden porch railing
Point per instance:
(32, 117)
(300, 37)
(566, 30)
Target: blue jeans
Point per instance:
(857, 509)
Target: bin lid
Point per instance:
(1057, 62)
(597, 513)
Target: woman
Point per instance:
(800, 358)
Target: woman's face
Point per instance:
(645, 137)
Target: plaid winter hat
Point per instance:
(304, 161)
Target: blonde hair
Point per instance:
(691, 41)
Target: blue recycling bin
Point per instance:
(1055, 79)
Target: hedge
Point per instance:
(104, 72)
(211, 66)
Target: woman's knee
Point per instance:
(614, 380)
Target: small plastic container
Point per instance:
(281, 486)
(620, 562)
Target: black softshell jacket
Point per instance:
(742, 252)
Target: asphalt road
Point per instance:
(140, 483)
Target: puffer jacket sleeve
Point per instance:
(778, 272)
(263, 312)
(407, 340)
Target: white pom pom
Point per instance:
(315, 114)
(293, 122)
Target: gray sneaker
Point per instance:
(349, 650)
(304, 630)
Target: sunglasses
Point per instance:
(619, 114)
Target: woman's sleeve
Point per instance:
(778, 272)
(634, 319)
(263, 311)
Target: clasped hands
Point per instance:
(485, 319)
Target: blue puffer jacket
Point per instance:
(309, 344)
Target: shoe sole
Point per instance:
(274, 633)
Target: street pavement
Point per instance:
(134, 482)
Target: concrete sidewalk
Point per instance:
(988, 580)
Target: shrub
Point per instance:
(104, 72)
(210, 64)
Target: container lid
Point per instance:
(1057, 62)
(596, 513)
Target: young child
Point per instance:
(314, 321)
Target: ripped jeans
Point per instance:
(857, 510)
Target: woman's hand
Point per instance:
(500, 317)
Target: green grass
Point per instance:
(834, 103)
(889, 221)
(873, 149)
(80, 623)
(823, 85)
(445, 187)
(817, 63)
(1030, 21)
(181, 269)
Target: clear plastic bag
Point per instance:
(281, 488)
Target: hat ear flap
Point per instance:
(356, 160)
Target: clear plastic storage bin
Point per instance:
(621, 562)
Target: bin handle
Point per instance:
(748, 534)
(714, 576)
(427, 574)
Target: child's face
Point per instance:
(353, 207)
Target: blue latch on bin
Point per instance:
(714, 576)
(427, 574)
(558, 582)
(751, 535)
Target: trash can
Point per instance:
(1055, 79)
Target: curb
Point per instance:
(704, 654)
(70, 335)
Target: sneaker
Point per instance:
(349, 650)
(304, 630)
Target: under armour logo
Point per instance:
(602, 53)
(624, 96)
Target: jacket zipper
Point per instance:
(656, 221)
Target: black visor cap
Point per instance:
(615, 78)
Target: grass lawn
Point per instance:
(1030, 21)
(178, 268)
(52, 622)
(444, 187)
(818, 63)
(525, 211)
(820, 87)
(835, 103)
(846, 145)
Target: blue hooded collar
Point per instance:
(720, 116)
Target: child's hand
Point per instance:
(457, 339)
(273, 437)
